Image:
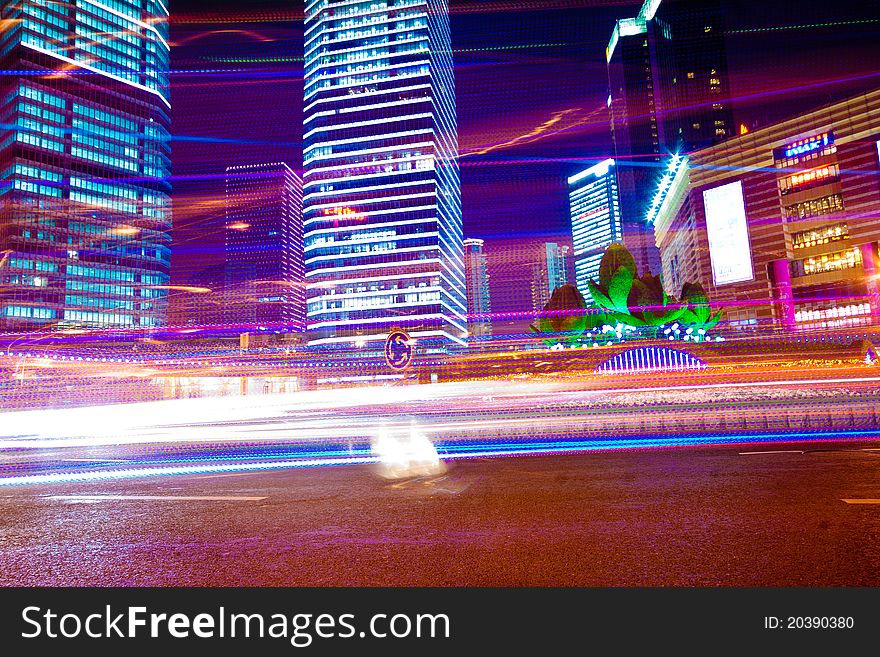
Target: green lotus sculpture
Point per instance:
(564, 318)
(627, 299)
(625, 305)
(698, 314)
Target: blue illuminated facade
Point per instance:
(807, 146)
(263, 272)
(85, 207)
(595, 219)
(381, 192)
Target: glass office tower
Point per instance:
(479, 304)
(263, 273)
(595, 219)
(550, 272)
(668, 94)
(85, 211)
(381, 195)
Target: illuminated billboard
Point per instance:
(805, 146)
(728, 234)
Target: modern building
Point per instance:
(550, 272)
(382, 199)
(479, 306)
(781, 225)
(85, 208)
(668, 94)
(264, 277)
(595, 219)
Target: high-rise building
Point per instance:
(550, 272)
(595, 219)
(478, 302)
(382, 201)
(85, 211)
(668, 94)
(264, 278)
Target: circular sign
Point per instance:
(399, 350)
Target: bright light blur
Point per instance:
(406, 454)
(126, 230)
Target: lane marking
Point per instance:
(158, 498)
(777, 451)
(862, 501)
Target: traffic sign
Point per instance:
(399, 350)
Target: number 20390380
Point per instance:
(809, 622)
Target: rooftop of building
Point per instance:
(788, 129)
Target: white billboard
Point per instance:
(728, 234)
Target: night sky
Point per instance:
(531, 88)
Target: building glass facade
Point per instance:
(382, 200)
(809, 196)
(479, 305)
(264, 277)
(595, 219)
(85, 207)
(668, 94)
(550, 272)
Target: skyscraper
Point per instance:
(550, 272)
(264, 279)
(595, 219)
(85, 211)
(478, 302)
(668, 94)
(382, 202)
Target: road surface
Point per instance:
(763, 515)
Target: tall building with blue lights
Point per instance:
(595, 219)
(263, 274)
(668, 94)
(85, 208)
(381, 192)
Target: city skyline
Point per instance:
(550, 272)
(195, 253)
(457, 294)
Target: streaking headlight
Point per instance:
(406, 454)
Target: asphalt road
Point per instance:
(665, 517)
